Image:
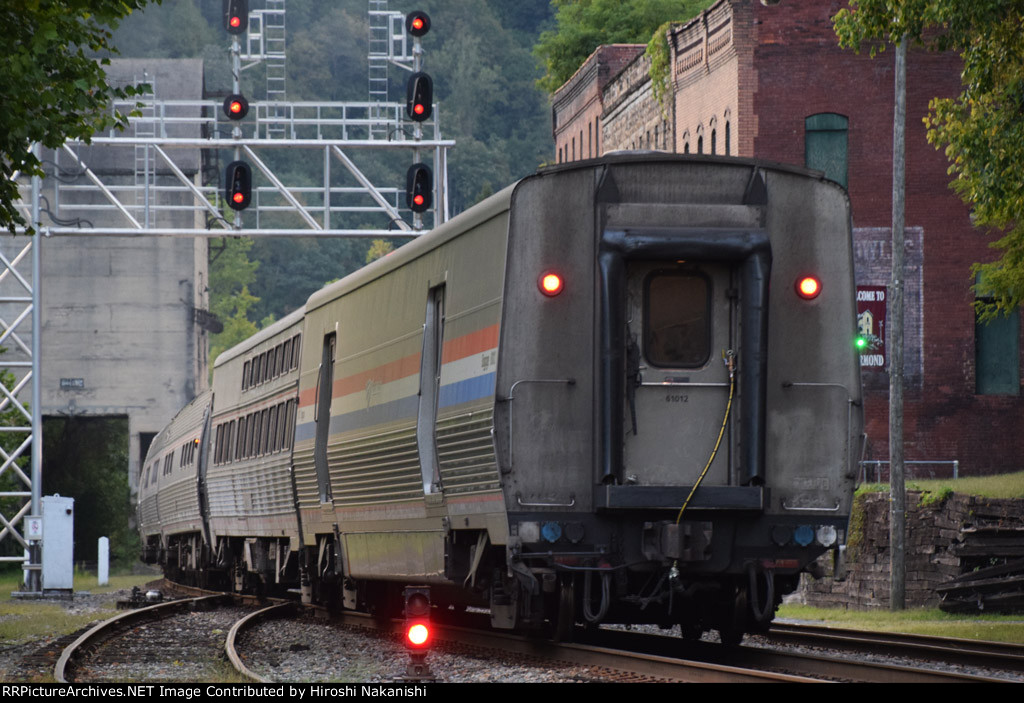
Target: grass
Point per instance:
(25, 620)
(920, 621)
(1000, 486)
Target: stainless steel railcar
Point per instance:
(516, 407)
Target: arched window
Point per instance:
(826, 145)
(727, 138)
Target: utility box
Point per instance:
(58, 543)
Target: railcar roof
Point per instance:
(481, 212)
(290, 320)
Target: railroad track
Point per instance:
(602, 655)
(819, 659)
(171, 641)
(947, 650)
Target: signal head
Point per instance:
(238, 185)
(236, 16)
(417, 23)
(417, 618)
(419, 188)
(236, 107)
(419, 96)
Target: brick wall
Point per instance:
(933, 536)
(577, 105)
(705, 74)
(632, 118)
(801, 72)
(764, 70)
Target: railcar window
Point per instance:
(295, 350)
(289, 414)
(272, 431)
(677, 329)
(229, 441)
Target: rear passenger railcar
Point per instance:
(678, 354)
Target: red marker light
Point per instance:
(418, 199)
(235, 21)
(808, 287)
(417, 23)
(236, 107)
(238, 197)
(418, 108)
(551, 284)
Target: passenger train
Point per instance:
(621, 390)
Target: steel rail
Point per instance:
(655, 666)
(950, 650)
(230, 644)
(811, 665)
(106, 629)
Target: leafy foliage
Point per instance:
(85, 457)
(583, 25)
(52, 89)
(982, 129)
(231, 274)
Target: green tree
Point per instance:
(378, 248)
(87, 458)
(231, 274)
(584, 25)
(51, 86)
(982, 129)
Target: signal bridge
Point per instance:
(332, 192)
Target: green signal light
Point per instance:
(860, 342)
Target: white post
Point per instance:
(103, 565)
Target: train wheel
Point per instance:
(691, 632)
(734, 628)
(564, 621)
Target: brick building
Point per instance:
(769, 81)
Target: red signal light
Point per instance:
(235, 21)
(417, 23)
(808, 287)
(550, 284)
(238, 198)
(236, 107)
(418, 635)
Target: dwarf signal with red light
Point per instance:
(238, 185)
(236, 16)
(417, 23)
(236, 107)
(417, 617)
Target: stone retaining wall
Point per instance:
(934, 525)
